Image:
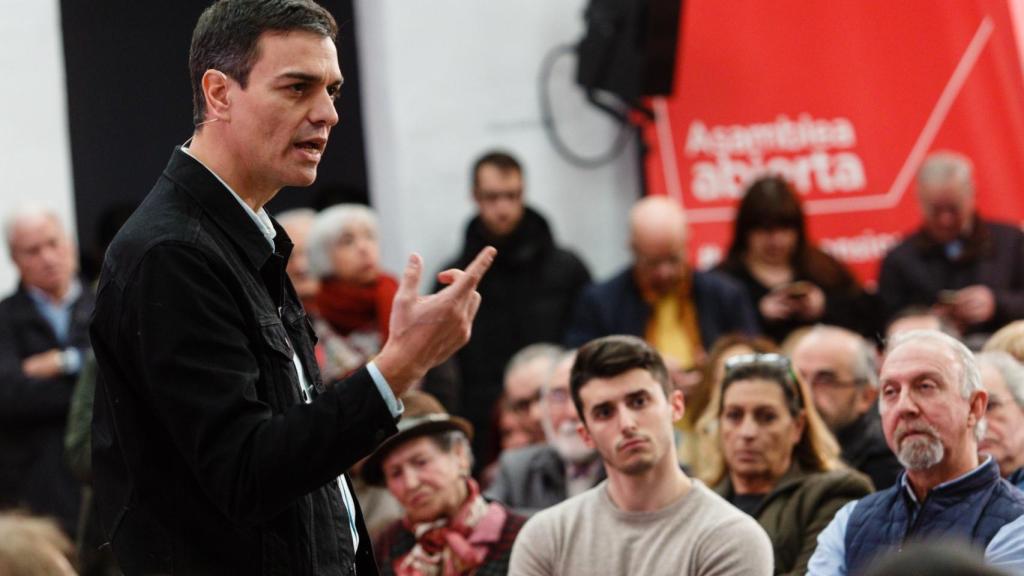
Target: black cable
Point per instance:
(551, 128)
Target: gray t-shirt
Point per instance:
(701, 534)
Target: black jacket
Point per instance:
(865, 449)
(34, 412)
(205, 458)
(917, 269)
(528, 295)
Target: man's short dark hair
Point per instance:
(226, 37)
(503, 161)
(613, 355)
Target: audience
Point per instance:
(840, 367)
(528, 293)
(542, 475)
(648, 517)
(449, 529)
(791, 282)
(1003, 379)
(660, 297)
(43, 342)
(353, 305)
(297, 223)
(781, 463)
(933, 408)
(969, 268)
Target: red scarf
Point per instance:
(455, 546)
(348, 307)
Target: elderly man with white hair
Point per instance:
(1003, 378)
(933, 415)
(43, 340)
(969, 268)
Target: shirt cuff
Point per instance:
(70, 360)
(395, 405)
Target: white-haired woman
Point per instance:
(353, 306)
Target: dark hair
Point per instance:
(226, 37)
(768, 203)
(779, 372)
(613, 355)
(700, 397)
(503, 161)
(771, 203)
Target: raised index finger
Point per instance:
(470, 278)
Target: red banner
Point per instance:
(845, 99)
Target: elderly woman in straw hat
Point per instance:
(448, 528)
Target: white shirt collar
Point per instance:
(261, 218)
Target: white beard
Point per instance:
(567, 442)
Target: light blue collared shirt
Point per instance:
(262, 221)
(58, 316)
(1006, 549)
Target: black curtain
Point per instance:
(130, 103)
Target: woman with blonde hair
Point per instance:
(780, 463)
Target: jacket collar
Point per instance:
(219, 204)
(790, 481)
(955, 489)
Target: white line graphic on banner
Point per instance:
(903, 178)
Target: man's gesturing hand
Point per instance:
(425, 330)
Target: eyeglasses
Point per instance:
(771, 359)
(829, 381)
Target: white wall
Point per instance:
(446, 79)
(35, 154)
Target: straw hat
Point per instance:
(423, 416)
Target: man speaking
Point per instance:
(216, 448)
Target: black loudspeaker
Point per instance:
(630, 47)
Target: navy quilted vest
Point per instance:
(973, 508)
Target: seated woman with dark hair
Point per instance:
(791, 282)
(449, 529)
(780, 463)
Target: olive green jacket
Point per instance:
(799, 507)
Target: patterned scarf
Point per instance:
(454, 546)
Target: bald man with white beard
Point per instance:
(660, 297)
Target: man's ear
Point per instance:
(979, 404)
(678, 404)
(866, 396)
(217, 92)
(581, 429)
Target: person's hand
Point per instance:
(43, 365)
(776, 305)
(974, 304)
(810, 305)
(425, 330)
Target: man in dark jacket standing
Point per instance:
(527, 296)
(216, 447)
(43, 340)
